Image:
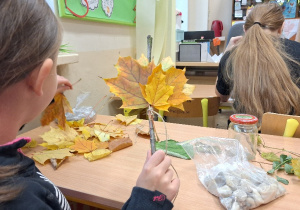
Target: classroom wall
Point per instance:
(201, 13)
(198, 15)
(220, 10)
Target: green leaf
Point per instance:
(271, 171)
(283, 157)
(270, 156)
(288, 169)
(173, 149)
(259, 141)
(276, 165)
(282, 180)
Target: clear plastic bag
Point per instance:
(223, 169)
(79, 112)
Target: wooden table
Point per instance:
(107, 183)
(203, 91)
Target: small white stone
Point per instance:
(224, 191)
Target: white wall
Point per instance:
(201, 13)
(220, 10)
(198, 15)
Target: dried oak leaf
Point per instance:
(41, 157)
(83, 146)
(126, 85)
(119, 144)
(56, 110)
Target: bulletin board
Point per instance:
(111, 11)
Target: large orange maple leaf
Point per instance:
(140, 84)
(126, 85)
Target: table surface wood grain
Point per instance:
(108, 182)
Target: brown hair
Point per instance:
(30, 33)
(8, 190)
(262, 79)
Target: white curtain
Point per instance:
(156, 18)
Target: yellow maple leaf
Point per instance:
(176, 77)
(102, 136)
(97, 154)
(167, 63)
(77, 123)
(126, 85)
(126, 119)
(31, 144)
(83, 146)
(87, 131)
(56, 110)
(41, 157)
(111, 130)
(296, 166)
(143, 60)
(188, 89)
(156, 91)
(60, 138)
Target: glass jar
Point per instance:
(243, 127)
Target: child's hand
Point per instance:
(63, 84)
(233, 41)
(156, 175)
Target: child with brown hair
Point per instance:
(30, 38)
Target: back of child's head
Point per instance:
(30, 33)
(269, 16)
(260, 66)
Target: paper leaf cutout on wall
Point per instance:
(41, 157)
(57, 110)
(126, 85)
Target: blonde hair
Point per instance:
(261, 75)
(30, 33)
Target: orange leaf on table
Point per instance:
(56, 110)
(126, 85)
(156, 91)
(83, 146)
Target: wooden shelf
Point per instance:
(67, 58)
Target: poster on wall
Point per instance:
(111, 11)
